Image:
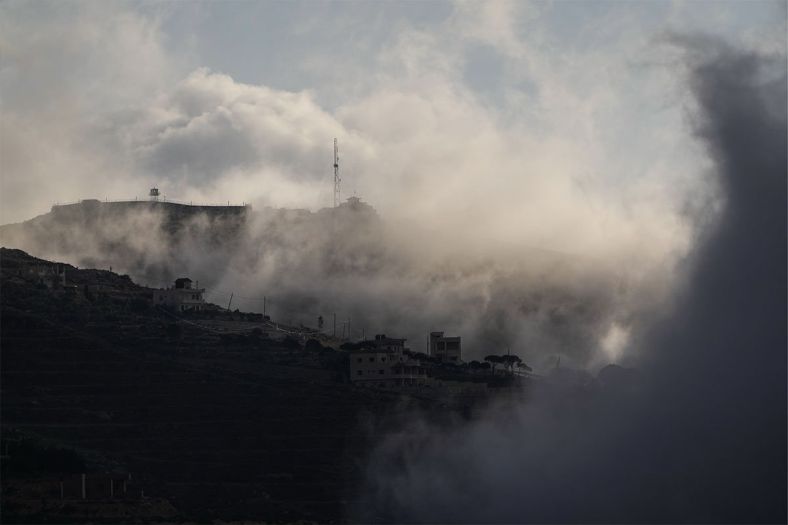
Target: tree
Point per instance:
(493, 360)
(510, 361)
(523, 367)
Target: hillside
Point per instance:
(346, 262)
(226, 419)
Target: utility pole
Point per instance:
(229, 303)
(335, 324)
(264, 306)
(337, 180)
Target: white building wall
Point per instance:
(446, 348)
(385, 369)
(180, 299)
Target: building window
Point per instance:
(381, 372)
(382, 359)
(359, 359)
(359, 373)
(371, 359)
(441, 346)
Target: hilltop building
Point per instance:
(382, 342)
(447, 349)
(91, 207)
(181, 297)
(386, 365)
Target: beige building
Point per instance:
(386, 365)
(448, 349)
(389, 343)
(181, 297)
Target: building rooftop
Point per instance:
(381, 339)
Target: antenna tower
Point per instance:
(337, 180)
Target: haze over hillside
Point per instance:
(351, 262)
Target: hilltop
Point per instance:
(155, 240)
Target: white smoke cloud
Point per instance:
(698, 433)
(542, 159)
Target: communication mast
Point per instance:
(337, 180)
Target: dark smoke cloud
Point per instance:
(702, 438)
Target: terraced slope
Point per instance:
(217, 427)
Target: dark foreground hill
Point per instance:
(167, 418)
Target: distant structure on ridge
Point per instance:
(155, 199)
(182, 297)
(447, 349)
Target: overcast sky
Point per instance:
(507, 104)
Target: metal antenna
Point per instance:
(337, 180)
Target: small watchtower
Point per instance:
(154, 194)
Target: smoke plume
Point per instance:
(701, 438)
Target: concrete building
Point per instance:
(388, 343)
(386, 365)
(447, 349)
(181, 297)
